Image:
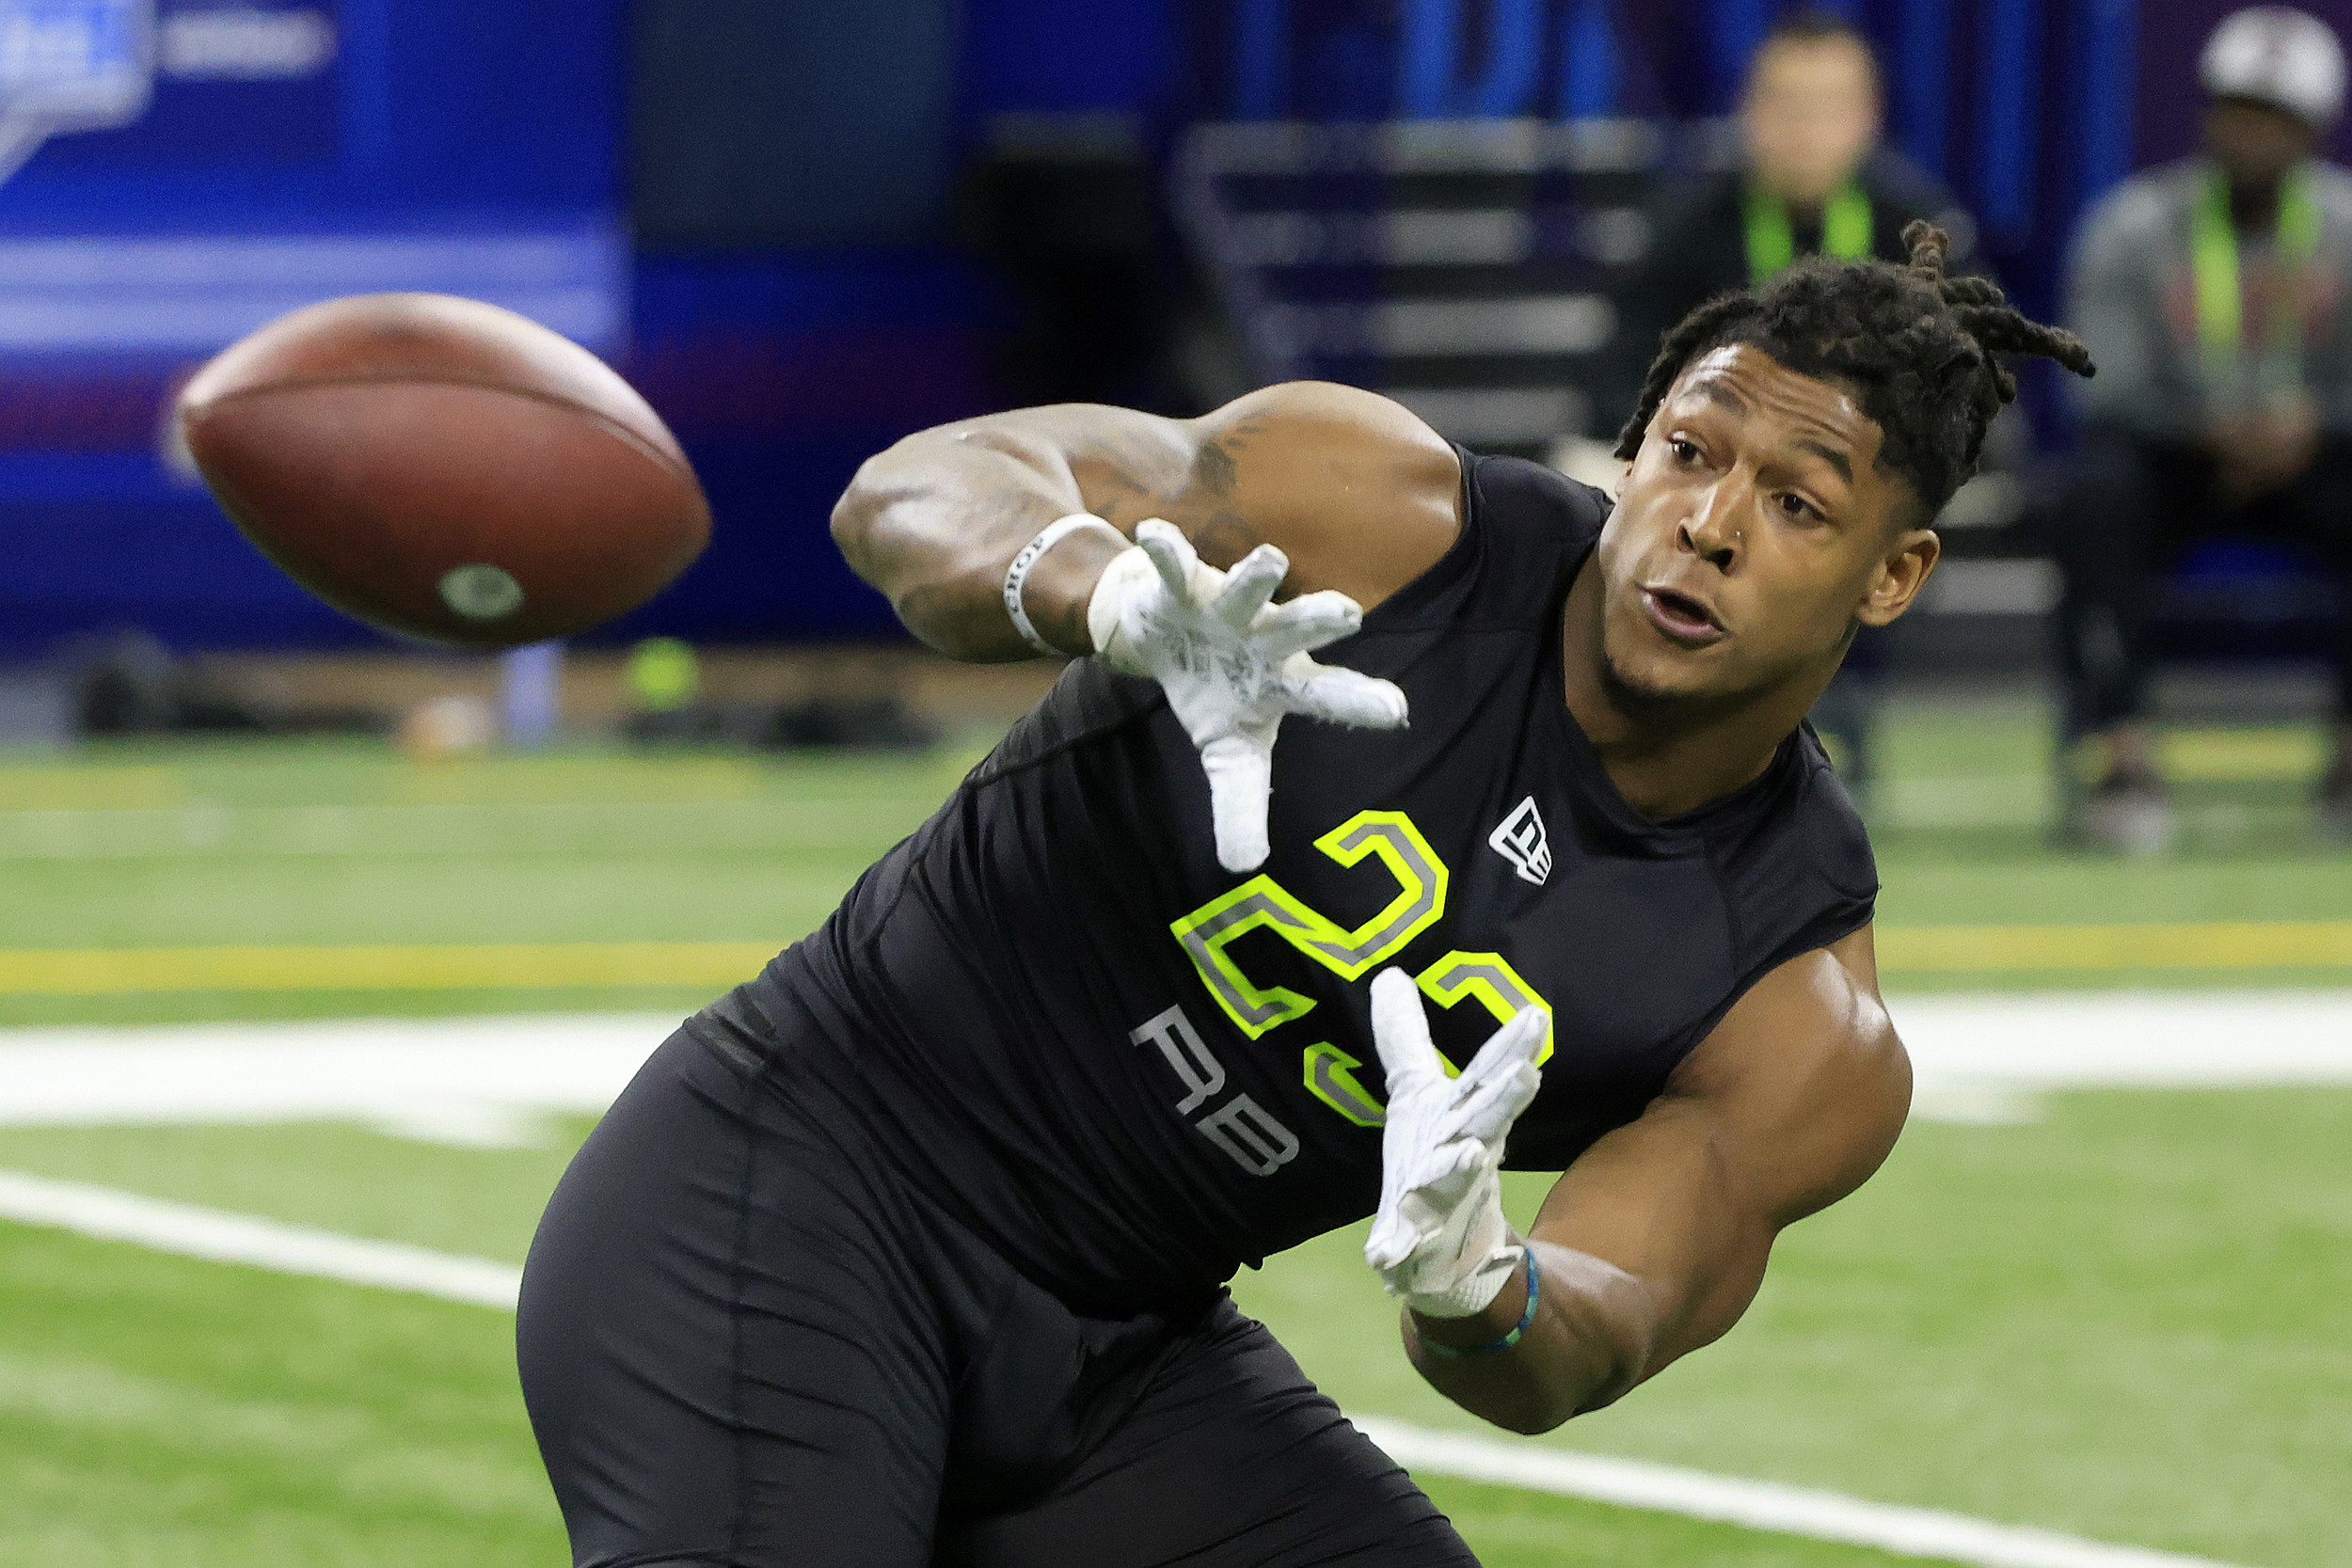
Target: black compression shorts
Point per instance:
(745, 1343)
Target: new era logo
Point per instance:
(1521, 841)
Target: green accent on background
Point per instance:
(2131, 1319)
(664, 673)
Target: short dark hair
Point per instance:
(1812, 24)
(1915, 346)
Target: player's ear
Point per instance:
(1896, 581)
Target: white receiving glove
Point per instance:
(1233, 664)
(1440, 1242)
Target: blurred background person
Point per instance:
(1812, 179)
(2212, 293)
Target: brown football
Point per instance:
(445, 468)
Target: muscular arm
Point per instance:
(1360, 494)
(1654, 1243)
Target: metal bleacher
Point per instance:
(1457, 265)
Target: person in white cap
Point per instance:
(2216, 294)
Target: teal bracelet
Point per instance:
(1450, 1353)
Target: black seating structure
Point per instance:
(1460, 267)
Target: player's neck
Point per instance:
(1672, 757)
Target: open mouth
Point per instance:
(1680, 616)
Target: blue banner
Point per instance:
(205, 159)
(173, 173)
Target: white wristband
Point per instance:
(1031, 553)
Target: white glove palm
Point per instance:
(1233, 664)
(1440, 1242)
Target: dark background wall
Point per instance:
(835, 208)
(812, 123)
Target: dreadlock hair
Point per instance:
(1915, 347)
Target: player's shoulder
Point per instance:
(1515, 494)
(1525, 530)
(1307, 417)
(1533, 519)
(1796, 869)
(1360, 494)
(1831, 822)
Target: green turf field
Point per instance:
(2129, 1320)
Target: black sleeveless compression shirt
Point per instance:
(1133, 1071)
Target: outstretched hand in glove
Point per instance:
(1440, 1243)
(1233, 664)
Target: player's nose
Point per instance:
(1711, 530)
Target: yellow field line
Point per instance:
(1902, 949)
(2218, 944)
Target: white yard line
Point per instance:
(1988, 1058)
(475, 1081)
(486, 1080)
(1760, 1505)
(184, 1228)
(225, 1237)
(2156, 1039)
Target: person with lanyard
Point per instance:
(2213, 293)
(1811, 180)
